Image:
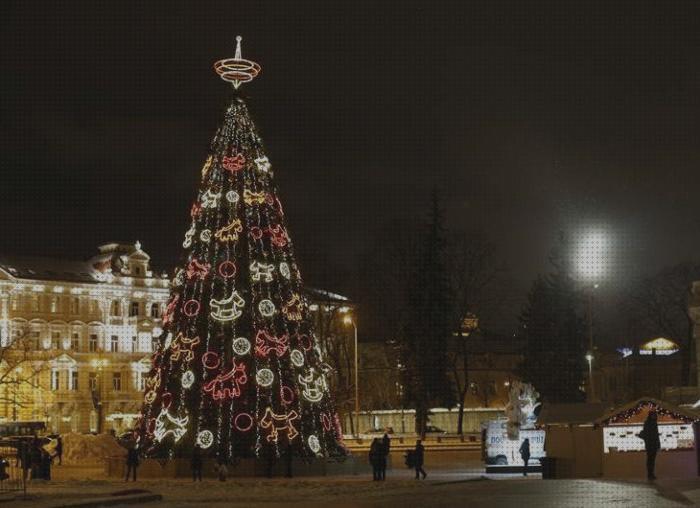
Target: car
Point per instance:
(431, 429)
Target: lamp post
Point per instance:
(349, 321)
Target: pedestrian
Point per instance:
(650, 435)
(132, 462)
(418, 458)
(222, 469)
(375, 456)
(196, 463)
(525, 454)
(59, 450)
(35, 459)
(386, 447)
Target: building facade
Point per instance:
(78, 336)
(85, 330)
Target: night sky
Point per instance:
(529, 117)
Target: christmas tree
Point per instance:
(237, 371)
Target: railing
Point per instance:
(13, 472)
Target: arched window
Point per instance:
(155, 310)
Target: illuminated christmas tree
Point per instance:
(237, 371)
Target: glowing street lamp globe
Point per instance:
(592, 252)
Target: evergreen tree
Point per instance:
(554, 334)
(238, 371)
(429, 324)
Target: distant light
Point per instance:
(625, 352)
(589, 357)
(347, 320)
(659, 346)
(592, 255)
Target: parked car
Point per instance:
(431, 429)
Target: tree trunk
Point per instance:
(460, 415)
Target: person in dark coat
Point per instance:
(196, 463)
(59, 450)
(525, 454)
(376, 452)
(386, 447)
(132, 462)
(35, 459)
(418, 458)
(652, 444)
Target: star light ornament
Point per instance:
(205, 438)
(167, 424)
(264, 377)
(263, 164)
(267, 308)
(241, 346)
(187, 379)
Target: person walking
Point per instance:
(525, 454)
(386, 448)
(132, 462)
(375, 453)
(59, 450)
(652, 444)
(196, 463)
(418, 458)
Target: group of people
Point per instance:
(35, 461)
(378, 456)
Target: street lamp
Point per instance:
(592, 256)
(347, 320)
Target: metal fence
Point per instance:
(14, 466)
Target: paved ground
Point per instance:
(443, 488)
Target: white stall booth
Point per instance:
(623, 451)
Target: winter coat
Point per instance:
(376, 452)
(386, 444)
(650, 435)
(525, 450)
(418, 455)
(132, 457)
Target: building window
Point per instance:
(155, 310)
(137, 270)
(34, 339)
(117, 381)
(116, 308)
(114, 344)
(14, 302)
(35, 303)
(92, 343)
(74, 380)
(75, 305)
(56, 340)
(134, 309)
(54, 304)
(154, 344)
(134, 344)
(55, 380)
(93, 381)
(142, 382)
(75, 341)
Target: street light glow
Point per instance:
(592, 254)
(347, 320)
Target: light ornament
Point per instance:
(168, 341)
(267, 308)
(232, 197)
(314, 386)
(183, 346)
(227, 385)
(166, 424)
(297, 358)
(263, 164)
(233, 164)
(189, 234)
(207, 166)
(227, 269)
(179, 278)
(266, 343)
(150, 397)
(243, 422)
(205, 235)
(261, 271)
(278, 236)
(314, 445)
(196, 210)
(241, 346)
(293, 309)
(205, 439)
(264, 377)
(191, 308)
(284, 270)
(229, 233)
(187, 379)
(237, 70)
(227, 309)
(254, 198)
(211, 360)
(197, 270)
(287, 395)
(326, 422)
(210, 199)
(279, 422)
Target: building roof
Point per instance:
(682, 412)
(44, 268)
(571, 414)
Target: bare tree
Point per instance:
(475, 272)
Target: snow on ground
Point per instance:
(88, 448)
